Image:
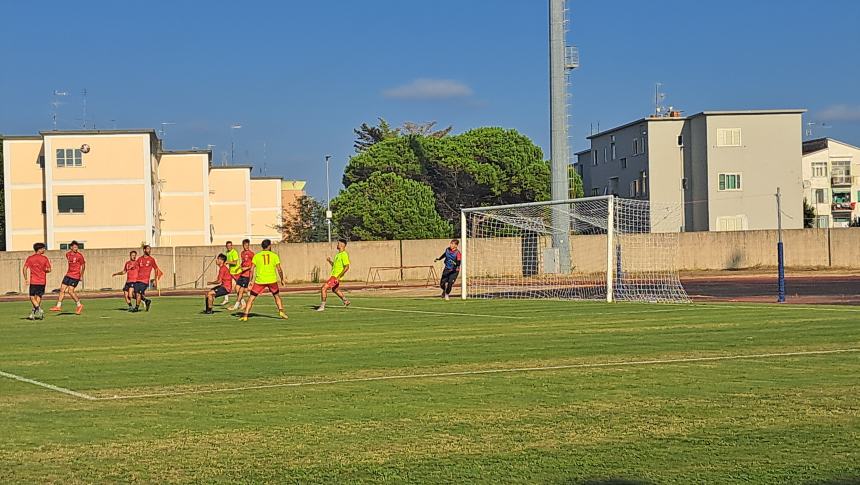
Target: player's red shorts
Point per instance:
(332, 283)
(258, 289)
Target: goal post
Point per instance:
(619, 250)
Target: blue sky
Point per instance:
(299, 76)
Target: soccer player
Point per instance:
(35, 271)
(232, 265)
(224, 283)
(453, 258)
(339, 267)
(130, 272)
(77, 266)
(145, 265)
(266, 266)
(244, 278)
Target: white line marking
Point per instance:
(49, 386)
(476, 372)
(435, 313)
(775, 306)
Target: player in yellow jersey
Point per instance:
(339, 267)
(266, 267)
(232, 264)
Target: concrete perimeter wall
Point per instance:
(804, 248)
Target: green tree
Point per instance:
(388, 206)
(306, 222)
(393, 155)
(367, 135)
(576, 189)
(808, 214)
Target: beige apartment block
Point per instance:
(830, 181)
(722, 167)
(119, 188)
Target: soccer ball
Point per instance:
(85, 148)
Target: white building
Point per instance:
(830, 181)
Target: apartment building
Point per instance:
(119, 188)
(830, 181)
(722, 167)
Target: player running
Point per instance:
(339, 267)
(244, 278)
(224, 283)
(130, 270)
(35, 271)
(145, 265)
(233, 265)
(453, 258)
(77, 266)
(266, 266)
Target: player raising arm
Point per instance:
(130, 272)
(77, 266)
(35, 271)
(453, 258)
(146, 264)
(224, 283)
(339, 267)
(266, 267)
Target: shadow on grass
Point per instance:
(606, 481)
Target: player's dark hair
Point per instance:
(222, 257)
(228, 242)
(456, 241)
(342, 240)
(73, 243)
(133, 252)
(246, 241)
(266, 243)
(147, 246)
(38, 246)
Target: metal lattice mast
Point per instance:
(562, 59)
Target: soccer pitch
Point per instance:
(422, 390)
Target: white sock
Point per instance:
(322, 304)
(79, 303)
(59, 304)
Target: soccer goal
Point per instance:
(593, 248)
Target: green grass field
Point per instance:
(647, 393)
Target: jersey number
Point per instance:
(266, 259)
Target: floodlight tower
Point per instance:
(562, 60)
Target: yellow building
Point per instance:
(118, 188)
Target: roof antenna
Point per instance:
(56, 105)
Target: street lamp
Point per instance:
(233, 128)
(327, 199)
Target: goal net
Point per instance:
(594, 248)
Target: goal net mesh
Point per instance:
(516, 251)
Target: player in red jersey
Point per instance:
(77, 266)
(145, 265)
(35, 270)
(130, 272)
(244, 278)
(224, 283)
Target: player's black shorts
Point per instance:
(243, 281)
(129, 285)
(220, 291)
(37, 290)
(450, 275)
(140, 288)
(69, 281)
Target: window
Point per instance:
(840, 172)
(636, 146)
(613, 185)
(605, 157)
(730, 181)
(68, 157)
(65, 246)
(634, 189)
(624, 162)
(732, 223)
(680, 140)
(643, 182)
(728, 137)
(612, 149)
(70, 204)
(595, 192)
(594, 158)
(819, 169)
(821, 196)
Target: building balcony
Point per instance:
(841, 180)
(843, 206)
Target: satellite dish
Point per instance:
(85, 148)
